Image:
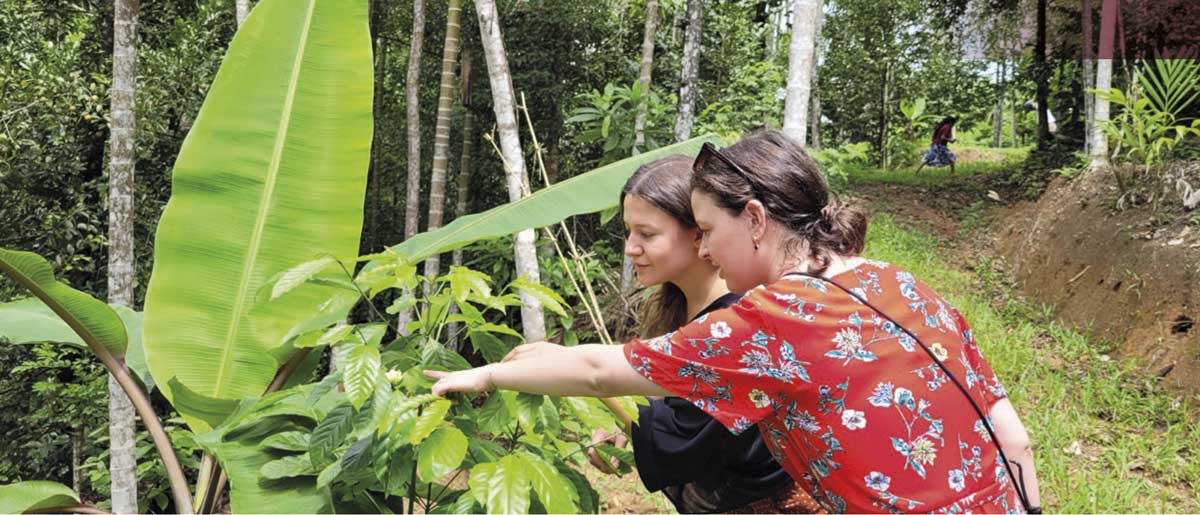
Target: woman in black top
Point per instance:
(679, 449)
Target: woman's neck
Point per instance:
(701, 289)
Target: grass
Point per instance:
(1107, 438)
(973, 161)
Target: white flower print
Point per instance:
(939, 351)
(882, 396)
(854, 419)
(759, 398)
(720, 329)
(878, 481)
(923, 451)
(848, 340)
(956, 481)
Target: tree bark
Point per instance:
(77, 458)
(639, 122)
(441, 132)
(1108, 20)
(690, 70)
(1042, 77)
(504, 104)
(243, 10)
(883, 116)
(801, 55)
(122, 441)
(814, 117)
(412, 85)
(998, 112)
(1089, 72)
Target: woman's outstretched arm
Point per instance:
(580, 371)
(1015, 442)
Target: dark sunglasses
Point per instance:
(708, 151)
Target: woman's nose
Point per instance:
(632, 249)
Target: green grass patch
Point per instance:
(1107, 438)
(983, 161)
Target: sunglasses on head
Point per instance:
(708, 152)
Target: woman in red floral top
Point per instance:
(864, 382)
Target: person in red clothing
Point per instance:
(939, 153)
(866, 384)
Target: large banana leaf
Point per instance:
(273, 173)
(32, 321)
(29, 496)
(93, 321)
(589, 192)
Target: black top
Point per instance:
(696, 461)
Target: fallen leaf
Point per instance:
(993, 195)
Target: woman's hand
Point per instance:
(470, 380)
(601, 436)
(532, 350)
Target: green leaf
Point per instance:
(502, 486)
(431, 417)
(585, 193)
(495, 416)
(29, 496)
(357, 459)
(441, 453)
(435, 356)
(325, 386)
(492, 348)
(464, 282)
(330, 433)
(608, 214)
(289, 466)
(191, 404)
(333, 336)
(96, 324)
(329, 474)
(497, 328)
(528, 406)
(361, 368)
(546, 296)
(300, 274)
(272, 173)
(555, 491)
(288, 441)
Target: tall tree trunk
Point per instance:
(412, 85)
(372, 224)
(998, 111)
(463, 197)
(883, 116)
(814, 116)
(441, 132)
(1108, 20)
(639, 122)
(123, 461)
(690, 70)
(77, 458)
(504, 104)
(1089, 79)
(801, 55)
(1042, 77)
(243, 10)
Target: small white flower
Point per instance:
(394, 376)
(939, 351)
(759, 398)
(854, 419)
(957, 481)
(720, 329)
(848, 340)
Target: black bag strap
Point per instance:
(987, 424)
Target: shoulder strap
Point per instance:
(987, 424)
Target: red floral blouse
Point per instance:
(847, 402)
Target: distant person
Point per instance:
(939, 154)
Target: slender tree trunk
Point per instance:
(883, 116)
(998, 111)
(1042, 77)
(441, 132)
(504, 104)
(412, 85)
(800, 68)
(814, 117)
(1108, 20)
(243, 10)
(463, 197)
(123, 461)
(639, 122)
(374, 208)
(77, 458)
(1089, 80)
(690, 70)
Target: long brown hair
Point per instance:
(666, 185)
(794, 192)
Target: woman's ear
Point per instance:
(697, 237)
(757, 215)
